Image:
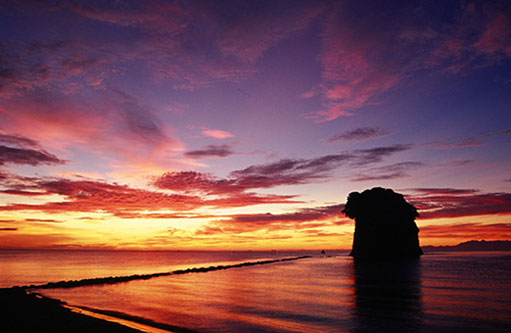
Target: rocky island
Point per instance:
(384, 225)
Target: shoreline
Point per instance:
(27, 311)
(138, 323)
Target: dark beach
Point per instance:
(30, 312)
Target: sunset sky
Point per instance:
(219, 125)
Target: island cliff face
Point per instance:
(384, 225)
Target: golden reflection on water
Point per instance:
(305, 295)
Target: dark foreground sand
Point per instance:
(25, 312)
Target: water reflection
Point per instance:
(387, 296)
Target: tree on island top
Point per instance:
(384, 225)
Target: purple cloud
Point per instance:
(359, 134)
(25, 151)
(210, 151)
(463, 204)
(32, 157)
(464, 143)
(374, 155)
(18, 141)
(441, 190)
(282, 172)
(393, 171)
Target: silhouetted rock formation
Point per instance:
(384, 225)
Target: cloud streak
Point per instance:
(465, 231)
(358, 134)
(27, 152)
(362, 66)
(210, 151)
(95, 195)
(279, 173)
(388, 172)
(449, 203)
(32, 157)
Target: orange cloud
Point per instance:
(457, 232)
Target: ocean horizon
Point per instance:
(457, 291)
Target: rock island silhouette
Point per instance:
(384, 225)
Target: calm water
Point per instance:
(439, 292)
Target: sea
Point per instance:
(323, 292)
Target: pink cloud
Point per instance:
(354, 70)
(496, 38)
(113, 122)
(87, 195)
(361, 64)
(448, 203)
(217, 134)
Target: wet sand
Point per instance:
(30, 312)
(26, 312)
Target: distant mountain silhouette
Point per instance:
(473, 245)
(384, 225)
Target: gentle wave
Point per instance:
(135, 322)
(121, 279)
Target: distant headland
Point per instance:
(473, 245)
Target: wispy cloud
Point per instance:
(210, 151)
(361, 65)
(84, 195)
(33, 157)
(441, 190)
(18, 141)
(387, 172)
(497, 133)
(449, 203)
(359, 134)
(464, 143)
(377, 154)
(279, 173)
(117, 123)
(25, 151)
